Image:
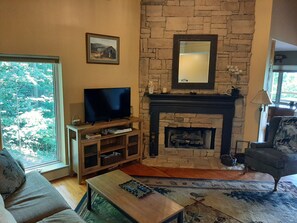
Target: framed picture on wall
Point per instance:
(102, 49)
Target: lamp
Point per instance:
(262, 99)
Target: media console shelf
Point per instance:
(105, 150)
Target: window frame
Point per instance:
(281, 69)
(58, 98)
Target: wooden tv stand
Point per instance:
(104, 150)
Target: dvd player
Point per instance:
(119, 131)
(93, 136)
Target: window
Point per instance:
(283, 87)
(29, 109)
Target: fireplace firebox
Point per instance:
(192, 138)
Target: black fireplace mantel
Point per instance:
(191, 103)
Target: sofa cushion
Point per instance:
(11, 174)
(35, 199)
(68, 216)
(285, 139)
(1, 201)
(20, 164)
(5, 216)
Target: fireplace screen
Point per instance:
(182, 137)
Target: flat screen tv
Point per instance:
(106, 104)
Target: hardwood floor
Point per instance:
(73, 192)
(70, 190)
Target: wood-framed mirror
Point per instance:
(194, 61)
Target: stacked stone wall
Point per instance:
(232, 20)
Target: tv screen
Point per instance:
(106, 104)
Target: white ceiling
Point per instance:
(282, 46)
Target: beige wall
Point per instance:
(275, 19)
(259, 61)
(55, 27)
(58, 27)
(284, 21)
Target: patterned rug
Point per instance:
(211, 201)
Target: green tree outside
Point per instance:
(28, 111)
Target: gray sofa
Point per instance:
(38, 201)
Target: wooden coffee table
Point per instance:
(152, 208)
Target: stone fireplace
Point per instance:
(184, 127)
(191, 111)
(233, 21)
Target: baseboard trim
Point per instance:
(56, 173)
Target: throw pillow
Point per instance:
(285, 139)
(5, 215)
(11, 174)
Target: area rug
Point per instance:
(211, 201)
